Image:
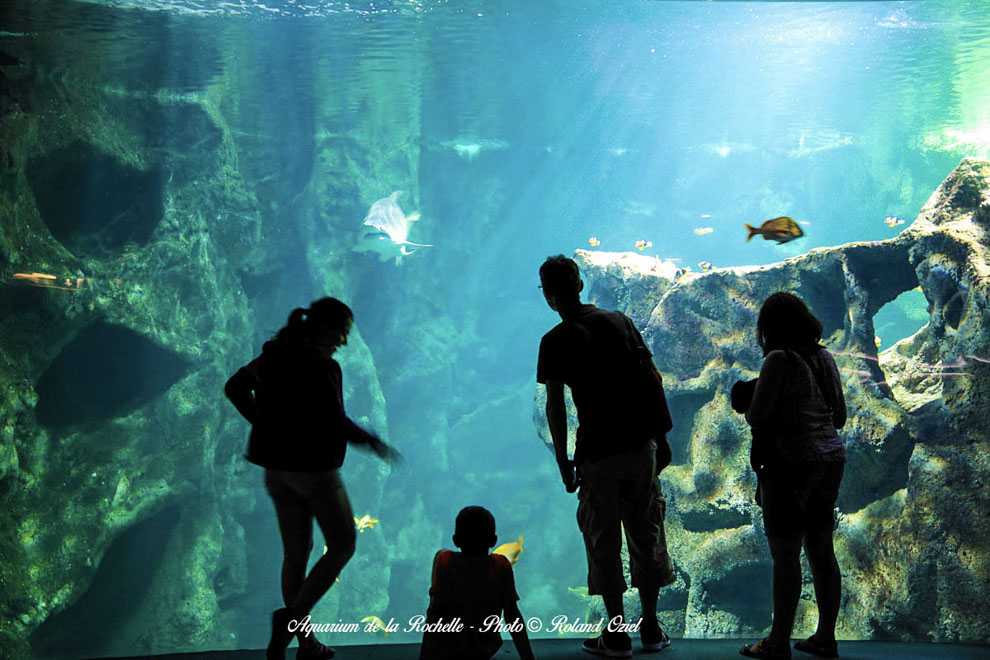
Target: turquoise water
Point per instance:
(517, 130)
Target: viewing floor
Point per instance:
(681, 649)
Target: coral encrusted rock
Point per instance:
(914, 509)
(135, 277)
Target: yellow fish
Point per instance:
(876, 340)
(580, 592)
(510, 551)
(782, 230)
(594, 242)
(366, 522)
(701, 231)
(642, 245)
(381, 627)
(705, 266)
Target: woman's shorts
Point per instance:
(301, 485)
(800, 497)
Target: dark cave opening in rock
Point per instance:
(120, 584)
(94, 204)
(954, 311)
(710, 518)
(818, 290)
(871, 476)
(683, 408)
(745, 591)
(106, 371)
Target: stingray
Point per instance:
(386, 230)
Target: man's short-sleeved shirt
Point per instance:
(591, 355)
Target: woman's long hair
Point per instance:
(786, 322)
(304, 323)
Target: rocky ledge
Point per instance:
(913, 511)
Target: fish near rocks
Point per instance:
(782, 230)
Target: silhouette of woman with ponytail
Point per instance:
(293, 398)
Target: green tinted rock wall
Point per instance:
(144, 257)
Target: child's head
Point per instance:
(474, 529)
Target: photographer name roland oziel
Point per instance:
(559, 624)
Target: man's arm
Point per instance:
(557, 420)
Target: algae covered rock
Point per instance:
(913, 519)
(136, 276)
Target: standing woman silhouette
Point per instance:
(293, 398)
(797, 408)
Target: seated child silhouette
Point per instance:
(477, 588)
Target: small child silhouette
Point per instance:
(474, 587)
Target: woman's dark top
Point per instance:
(292, 395)
(801, 426)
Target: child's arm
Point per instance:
(519, 637)
(432, 614)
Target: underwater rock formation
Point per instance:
(913, 518)
(135, 277)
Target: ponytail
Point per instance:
(320, 314)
